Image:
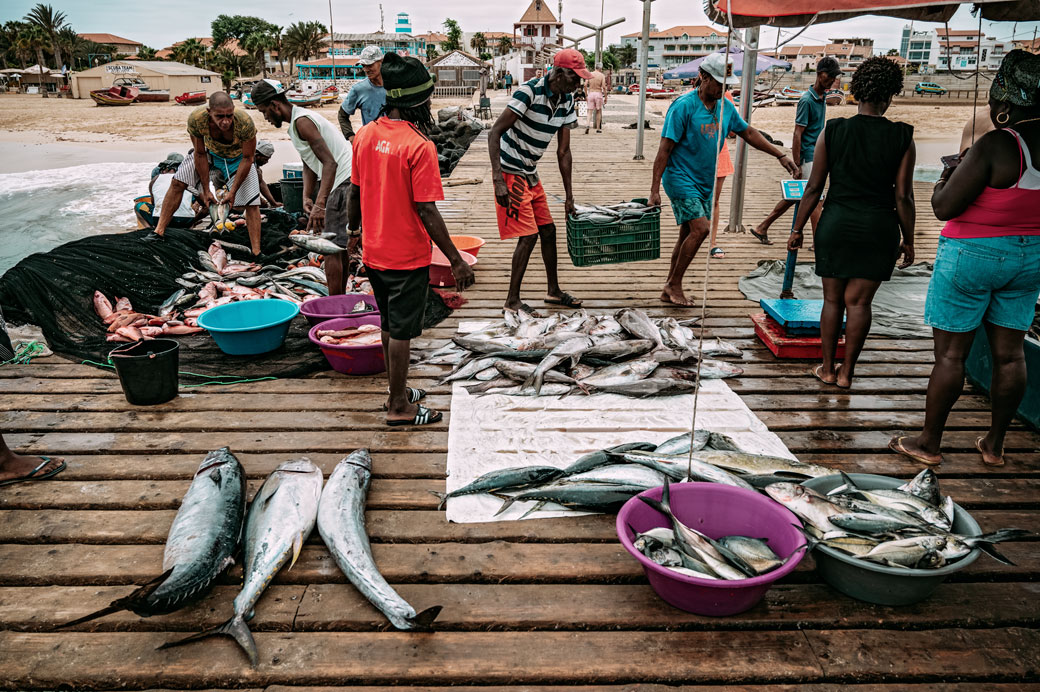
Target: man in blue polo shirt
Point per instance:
(368, 95)
(809, 120)
(687, 159)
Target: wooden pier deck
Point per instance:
(535, 605)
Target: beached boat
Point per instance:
(834, 97)
(191, 98)
(791, 92)
(247, 100)
(145, 94)
(114, 96)
(305, 100)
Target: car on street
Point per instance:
(929, 88)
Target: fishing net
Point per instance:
(54, 291)
(898, 306)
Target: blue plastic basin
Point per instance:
(249, 327)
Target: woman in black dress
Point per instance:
(870, 204)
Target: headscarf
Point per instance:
(1018, 79)
(406, 80)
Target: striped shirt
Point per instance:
(541, 113)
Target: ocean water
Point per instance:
(42, 209)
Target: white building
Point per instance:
(537, 29)
(677, 45)
(802, 58)
(961, 50)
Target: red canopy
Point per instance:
(788, 13)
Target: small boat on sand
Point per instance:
(305, 100)
(114, 96)
(145, 94)
(191, 98)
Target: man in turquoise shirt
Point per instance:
(687, 159)
(809, 120)
(367, 95)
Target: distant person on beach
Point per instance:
(395, 189)
(809, 119)
(687, 159)
(224, 141)
(326, 166)
(868, 221)
(597, 99)
(539, 109)
(987, 267)
(264, 152)
(368, 95)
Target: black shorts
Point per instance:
(401, 297)
(336, 213)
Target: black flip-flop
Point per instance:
(526, 309)
(762, 238)
(31, 475)
(424, 416)
(717, 253)
(565, 300)
(414, 395)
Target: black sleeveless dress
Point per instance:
(858, 236)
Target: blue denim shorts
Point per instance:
(689, 208)
(991, 279)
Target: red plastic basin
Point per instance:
(440, 268)
(317, 310)
(350, 360)
(715, 510)
(467, 243)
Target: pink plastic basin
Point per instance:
(317, 310)
(440, 268)
(467, 243)
(715, 510)
(350, 360)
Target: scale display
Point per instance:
(793, 190)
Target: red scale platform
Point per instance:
(784, 345)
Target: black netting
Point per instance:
(54, 291)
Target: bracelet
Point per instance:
(318, 207)
(354, 234)
(794, 231)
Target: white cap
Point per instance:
(265, 148)
(720, 68)
(370, 55)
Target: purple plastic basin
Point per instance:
(715, 510)
(317, 310)
(350, 360)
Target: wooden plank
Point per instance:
(800, 687)
(498, 607)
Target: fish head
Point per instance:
(301, 465)
(360, 458)
(785, 493)
(215, 460)
(643, 366)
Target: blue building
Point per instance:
(404, 24)
(399, 42)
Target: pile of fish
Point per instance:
(362, 335)
(126, 324)
(603, 481)
(208, 531)
(625, 353)
(626, 212)
(686, 550)
(910, 526)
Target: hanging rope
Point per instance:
(211, 379)
(24, 354)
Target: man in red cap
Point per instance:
(519, 137)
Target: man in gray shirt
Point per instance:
(367, 95)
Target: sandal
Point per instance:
(896, 445)
(717, 253)
(526, 309)
(565, 300)
(762, 237)
(31, 476)
(837, 369)
(414, 395)
(817, 372)
(978, 446)
(424, 416)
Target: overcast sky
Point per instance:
(158, 24)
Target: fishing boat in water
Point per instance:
(114, 96)
(145, 94)
(191, 98)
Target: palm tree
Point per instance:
(34, 39)
(505, 44)
(225, 61)
(278, 39)
(627, 55)
(50, 22)
(9, 33)
(69, 42)
(479, 43)
(431, 51)
(256, 44)
(146, 53)
(190, 52)
(303, 40)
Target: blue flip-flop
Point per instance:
(31, 476)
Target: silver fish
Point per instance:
(639, 325)
(808, 504)
(515, 478)
(924, 485)
(620, 350)
(341, 522)
(681, 464)
(587, 497)
(606, 325)
(169, 305)
(755, 552)
(202, 540)
(280, 518)
(681, 444)
(622, 373)
(569, 349)
(470, 369)
(761, 464)
(207, 262)
(313, 243)
(519, 372)
(650, 386)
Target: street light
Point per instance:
(599, 36)
(645, 43)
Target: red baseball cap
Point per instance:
(570, 58)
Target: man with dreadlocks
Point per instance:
(327, 158)
(395, 190)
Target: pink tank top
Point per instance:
(1002, 212)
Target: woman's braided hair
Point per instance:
(876, 80)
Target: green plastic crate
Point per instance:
(591, 243)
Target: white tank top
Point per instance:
(1030, 178)
(159, 190)
(334, 140)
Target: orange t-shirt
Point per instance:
(395, 166)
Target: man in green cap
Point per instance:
(395, 188)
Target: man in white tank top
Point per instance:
(326, 156)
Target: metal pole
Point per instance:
(644, 41)
(599, 36)
(332, 42)
(747, 97)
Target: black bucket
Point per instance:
(147, 370)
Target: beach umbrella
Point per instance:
(691, 69)
(37, 69)
(11, 70)
(790, 13)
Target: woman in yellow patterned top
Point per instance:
(224, 141)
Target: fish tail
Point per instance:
(656, 504)
(1001, 535)
(236, 628)
(424, 620)
(993, 553)
(666, 497)
(538, 505)
(505, 505)
(137, 600)
(443, 498)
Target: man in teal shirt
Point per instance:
(368, 95)
(687, 159)
(809, 120)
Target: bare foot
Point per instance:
(18, 466)
(675, 297)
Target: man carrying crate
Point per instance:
(539, 109)
(687, 159)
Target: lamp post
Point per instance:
(645, 43)
(747, 97)
(599, 36)
(578, 40)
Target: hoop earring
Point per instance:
(1005, 120)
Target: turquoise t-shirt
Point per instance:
(811, 114)
(695, 131)
(366, 96)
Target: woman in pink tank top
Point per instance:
(987, 268)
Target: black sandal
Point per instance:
(424, 416)
(761, 237)
(565, 300)
(414, 395)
